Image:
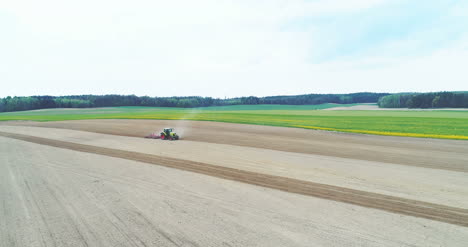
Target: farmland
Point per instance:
(98, 182)
(257, 175)
(431, 124)
(234, 124)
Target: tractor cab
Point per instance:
(168, 130)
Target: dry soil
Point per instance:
(233, 185)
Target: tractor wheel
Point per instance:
(170, 138)
(163, 137)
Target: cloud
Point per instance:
(215, 48)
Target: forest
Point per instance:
(425, 100)
(9, 104)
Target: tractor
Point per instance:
(169, 134)
(166, 134)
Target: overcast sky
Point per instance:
(231, 48)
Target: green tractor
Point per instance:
(169, 134)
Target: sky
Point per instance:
(222, 48)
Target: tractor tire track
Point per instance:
(447, 214)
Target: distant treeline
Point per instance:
(84, 101)
(425, 100)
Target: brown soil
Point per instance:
(419, 152)
(452, 215)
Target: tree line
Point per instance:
(425, 100)
(9, 104)
(316, 99)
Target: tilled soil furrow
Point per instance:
(416, 152)
(447, 214)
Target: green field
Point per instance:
(431, 124)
